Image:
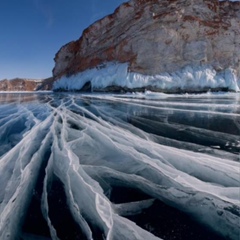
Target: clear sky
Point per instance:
(32, 31)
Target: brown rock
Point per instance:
(23, 84)
(156, 36)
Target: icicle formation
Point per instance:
(70, 154)
(189, 79)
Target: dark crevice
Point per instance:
(35, 223)
(184, 134)
(123, 195)
(74, 126)
(169, 223)
(163, 221)
(60, 215)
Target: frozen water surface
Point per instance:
(133, 166)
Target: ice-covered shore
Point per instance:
(116, 75)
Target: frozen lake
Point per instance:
(134, 166)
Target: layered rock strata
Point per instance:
(23, 84)
(158, 36)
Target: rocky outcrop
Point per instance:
(158, 36)
(23, 84)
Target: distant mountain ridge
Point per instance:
(26, 84)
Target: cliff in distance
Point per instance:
(23, 84)
(158, 36)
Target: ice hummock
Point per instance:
(190, 78)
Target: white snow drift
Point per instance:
(190, 78)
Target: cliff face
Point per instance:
(156, 36)
(22, 84)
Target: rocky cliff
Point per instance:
(23, 84)
(158, 36)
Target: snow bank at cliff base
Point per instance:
(190, 78)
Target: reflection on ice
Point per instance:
(119, 167)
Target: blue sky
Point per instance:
(32, 31)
